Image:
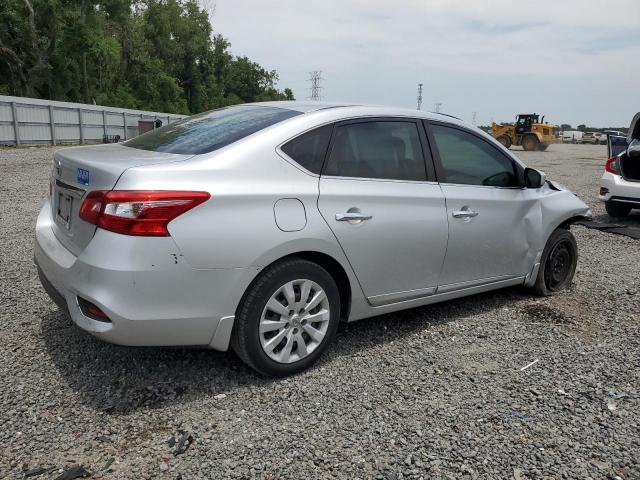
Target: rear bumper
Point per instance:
(150, 294)
(620, 190)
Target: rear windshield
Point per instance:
(211, 130)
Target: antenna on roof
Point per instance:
(436, 107)
(419, 96)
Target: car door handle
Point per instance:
(464, 213)
(349, 216)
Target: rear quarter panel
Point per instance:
(236, 228)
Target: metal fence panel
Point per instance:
(92, 118)
(6, 132)
(114, 119)
(38, 121)
(5, 113)
(65, 115)
(36, 133)
(67, 134)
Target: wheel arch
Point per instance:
(566, 224)
(326, 261)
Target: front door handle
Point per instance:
(351, 216)
(464, 213)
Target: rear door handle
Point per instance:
(350, 216)
(464, 213)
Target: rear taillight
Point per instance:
(138, 212)
(612, 166)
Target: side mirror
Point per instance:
(534, 178)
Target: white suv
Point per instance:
(620, 186)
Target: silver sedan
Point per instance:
(262, 226)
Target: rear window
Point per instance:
(210, 131)
(310, 148)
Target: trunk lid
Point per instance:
(80, 170)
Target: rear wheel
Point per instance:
(530, 143)
(287, 318)
(558, 263)
(505, 140)
(617, 209)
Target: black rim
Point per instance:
(559, 265)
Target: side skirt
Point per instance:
(435, 298)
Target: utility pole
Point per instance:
(474, 116)
(419, 96)
(436, 107)
(315, 84)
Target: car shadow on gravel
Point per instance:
(120, 380)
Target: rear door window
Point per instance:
(377, 149)
(210, 131)
(468, 160)
(310, 148)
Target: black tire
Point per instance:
(558, 263)
(542, 147)
(617, 210)
(530, 143)
(245, 338)
(505, 141)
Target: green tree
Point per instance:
(151, 54)
(28, 34)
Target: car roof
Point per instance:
(353, 109)
(301, 106)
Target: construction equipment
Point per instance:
(529, 131)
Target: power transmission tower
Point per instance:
(474, 116)
(436, 107)
(419, 96)
(315, 84)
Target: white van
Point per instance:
(571, 136)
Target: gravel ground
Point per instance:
(434, 392)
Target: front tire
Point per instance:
(530, 143)
(617, 210)
(558, 263)
(287, 318)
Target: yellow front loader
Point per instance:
(528, 132)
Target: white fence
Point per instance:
(30, 121)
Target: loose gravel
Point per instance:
(434, 392)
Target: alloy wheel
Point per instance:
(294, 321)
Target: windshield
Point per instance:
(211, 130)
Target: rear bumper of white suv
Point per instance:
(619, 190)
(148, 291)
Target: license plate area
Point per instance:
(64, 209)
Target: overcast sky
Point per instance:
(574, 61)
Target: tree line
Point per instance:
(159, 55)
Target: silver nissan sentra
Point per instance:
(262, 226)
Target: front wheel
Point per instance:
(287, 318)
(558, 263)
(530, 143)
